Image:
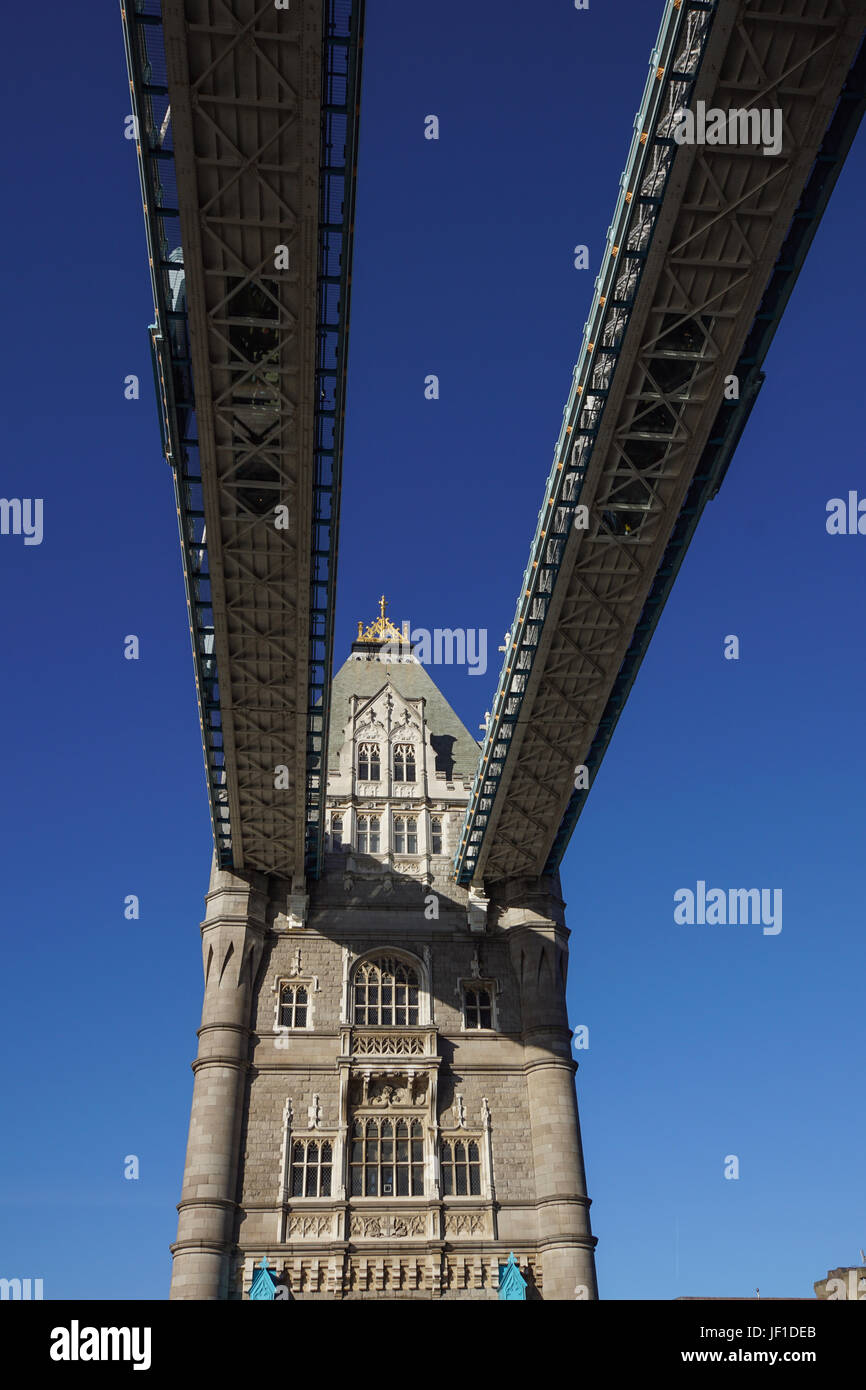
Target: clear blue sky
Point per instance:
(704, 1041)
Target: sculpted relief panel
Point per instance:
(386, 1089)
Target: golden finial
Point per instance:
(382, 630)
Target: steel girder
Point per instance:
(258, 115)
(691, 265)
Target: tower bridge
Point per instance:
(384, 1091)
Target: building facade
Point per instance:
(384, 1100)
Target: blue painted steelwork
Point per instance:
(512, 1284)
(264, 1282)
(341, 76)
(732, 417)
(674, 66)
(169, 339)
(169, 335)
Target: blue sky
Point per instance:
(704, 1041)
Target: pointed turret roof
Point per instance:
(368, 670)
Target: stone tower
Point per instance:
(384, 1100)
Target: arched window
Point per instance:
(478, 1010)
(386, 1158)
(311, 1168)
(293, 1006)
(404, 763)
(336, 832)
(460, 1168)
(368, 834)
(436, 835)
(368, 762)
(385, 993)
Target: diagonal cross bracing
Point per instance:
(703, 251)
(248, 119)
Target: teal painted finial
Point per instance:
(264, 1281)
(512, 1284)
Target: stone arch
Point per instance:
(409, 960)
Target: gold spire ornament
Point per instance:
(382, 630)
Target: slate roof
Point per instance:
(409, 679)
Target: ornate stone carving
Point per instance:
(368, 728)
(404, 790)
(384, 1089)
(367, 1226)
(309, 1226)
(410, 1226)
(464, 1223)
(387, 1044)
(485, 1111)
(459, 1111)
(387, 1225)
(314, 1113)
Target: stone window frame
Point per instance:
(371, 755)
(440, 817)
(400, 989)
(304, 1141)
(408, 819)
(413, 1123)
(407, 760)
(466, 1137)
(291, 1134)
(492, 988)
(366, 818)
(308, 982)
(351, 963)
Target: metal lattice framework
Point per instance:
(248, 114)
(701, 255)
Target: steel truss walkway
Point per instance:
(247, 123)
(703, 251)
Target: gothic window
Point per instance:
(460, 1168)
(436, 835)
(294, 1002)
(386, 1158)
(336, 832)
(368, 762)
(385, 993)
(368, 834)
(311, 1168)
(404, 763)
(405, 835)
(477, 1007)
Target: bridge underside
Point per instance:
(249, 113)
(702, 253)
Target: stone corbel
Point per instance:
(299, 903)
(476, 910)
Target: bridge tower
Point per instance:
(384, 1101)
